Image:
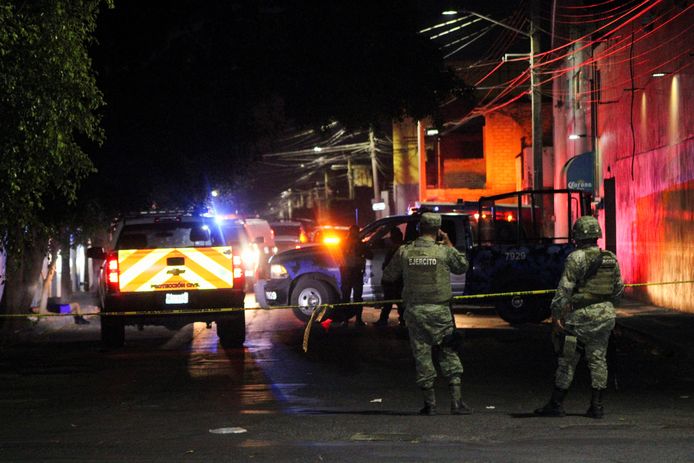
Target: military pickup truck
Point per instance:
(513, 241)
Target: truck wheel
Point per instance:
(308, 294)
(231, 330)
(522, 309)
(112, 332)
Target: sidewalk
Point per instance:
(47, 329)
(665, 329)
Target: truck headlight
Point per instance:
(278, 271)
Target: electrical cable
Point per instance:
(479, 36)
(450, 44)
(454, 29)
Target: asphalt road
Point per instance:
(177, 396)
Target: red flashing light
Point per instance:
(509, 218)
(476, 216)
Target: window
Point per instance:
(465, 142)
(168, 235)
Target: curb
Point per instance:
(647, 338)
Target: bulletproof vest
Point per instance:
(597, 285)
(426, 276)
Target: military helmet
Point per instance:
(430, 220)
(587, 228)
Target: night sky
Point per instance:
(196, 90)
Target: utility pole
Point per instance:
(350, 178)
(326, 186)
(536, 95)
(374, 164)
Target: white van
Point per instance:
(260, 233)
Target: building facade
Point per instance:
(628, 100)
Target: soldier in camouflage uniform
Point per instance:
(425, 267)
(583, 316)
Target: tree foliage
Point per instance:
(48, 104)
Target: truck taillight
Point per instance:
(112, 272)
(238, 268)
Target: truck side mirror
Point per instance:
(96, 253)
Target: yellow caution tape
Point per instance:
(322, 308)
(658, 283)
(316, 315)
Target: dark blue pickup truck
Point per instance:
(514, 241)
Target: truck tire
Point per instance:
(308, 294)
(522, 309)
(231, 330)
(112, 332)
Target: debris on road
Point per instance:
(232, 430)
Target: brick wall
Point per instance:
(502, 135)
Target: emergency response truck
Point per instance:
(161, 262)
(516, 241)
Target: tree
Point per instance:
(48, 102)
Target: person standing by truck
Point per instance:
(425, 267)
(392, 290)
(354, 258)
(583, 316)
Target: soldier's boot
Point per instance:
(595, 410)
(429, 401)
(555, 406)
(458, 407)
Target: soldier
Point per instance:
(425, 266)
(583, 316)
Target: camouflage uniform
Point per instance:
(590, 323)
(425, 267)
(583, 316)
